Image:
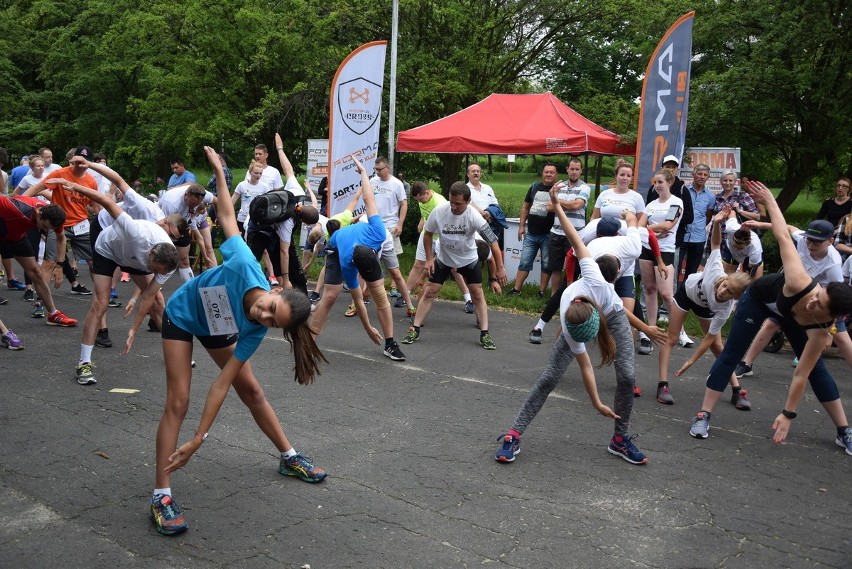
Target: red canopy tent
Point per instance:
(514, 124)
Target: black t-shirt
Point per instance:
(539, 220)
(832, 212)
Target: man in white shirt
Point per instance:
(190, 201)
(457, 225)
(271, 177)
(390, 200)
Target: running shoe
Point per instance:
(663, 318)
(411, 312)
(59, 319)
(739, 399)
(152, 326)
(535, 336)
(393, 352)
(125, 277)
(411, 336)
(743, 370)
(468, 307)
(314, 297)
(795, 362)
(3, 301)
(541, 294)
(623, 446)
(514, 292)
(113, 303)
(350, 311)
(103, 339)
(685, 341)
(29, 295)
(273, 281)
(10, 341)
(637, 391)
(700, 425)
(80, 289)
(301, 467)
(510, 448)
(399, 302)
(664, 395)
(84, 374)
(845, 441)
(167, 516)
(487, 341)
(645, 346)
(394, 293)
(14, 284)
(38, 310)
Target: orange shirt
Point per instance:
(74, 204)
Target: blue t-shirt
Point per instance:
(184, 178)
(219, 292)
(18, 173)
(345, 239)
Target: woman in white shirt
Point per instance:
(246, 191)
(662, 217)
(613, 201)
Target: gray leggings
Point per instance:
(561, 357)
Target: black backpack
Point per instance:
(272, 207)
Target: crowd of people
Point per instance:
(625, 278)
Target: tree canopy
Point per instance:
(148, 80)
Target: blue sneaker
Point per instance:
(845, 442)
(394, 293)
(624, 447)
(301, 467)
(167, 516)
(13, 284)
(511, 447)
(468, 307)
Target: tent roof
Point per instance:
(513, 124)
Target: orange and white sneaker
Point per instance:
(59, 319)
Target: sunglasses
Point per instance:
(812, 241)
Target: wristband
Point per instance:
(492, 280)
(788, 414)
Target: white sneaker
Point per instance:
(685, 340)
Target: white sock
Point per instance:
(160, 492)
(86, 353)
(467, 297)
(289, 453)
(185, 274)
(541, 324)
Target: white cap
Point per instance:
(671, 158)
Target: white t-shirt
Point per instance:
(172, 202)
(612, 204)
(271, 178)
(589, 233)
(483, 197)
(389, 196)
(247, 192)
(592, 286)
(825, 270)
(657, 212)
(457, 234)
(627, 248)
(128, 242)
(753, 251)
(136, 206)
(701, 289)
(29, 181)
(52, 168)
(847, 271)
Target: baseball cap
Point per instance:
(671, 158)
(820, 230)
(608, 227)
(84, 151)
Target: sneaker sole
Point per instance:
(746, 374)
(490, 347)
(394, 358)
(620, 454)
(664, 402)
(49, 323)
(13, 348)
(87, 381)
(82, 293)
(294, 474)
(843, 446)
(506, 460)
(103, 344)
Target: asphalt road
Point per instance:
(409, 448)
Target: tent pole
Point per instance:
(598, 169)
(392, 96)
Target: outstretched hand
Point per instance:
(358, 166)
(759, 192)
(607, 412)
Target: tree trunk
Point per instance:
(450, 168)
(800, 168)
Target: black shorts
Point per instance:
(23, 247)
(668, 258)
(171, 331)
(687, 305)
(104, 265)
(367, 262)
(558, 248)
(472, 273)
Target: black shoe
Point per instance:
(152, 326)
(29, 295)
(514, 292)
(103, 340)
(80, 289)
